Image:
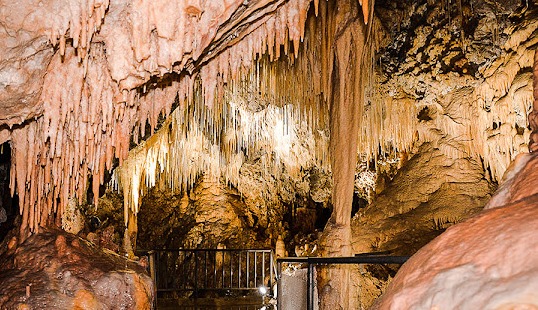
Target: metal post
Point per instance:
(255, 269)
(155, 262)
(222, 264)
(263, 268)
(230, 255)
(271, 271)
(248, 269)
(279, 285)
(205, 269)
(215, 270)
(309, 295)
(182, 257)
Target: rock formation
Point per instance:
(487, 262)
(57, 270)
(483, 69)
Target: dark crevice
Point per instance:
(358, 203)
(9, 206)
(424, 114)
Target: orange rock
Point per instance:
(85, 300)
(142, 294)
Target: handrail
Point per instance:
(202, 250)
(363, 258)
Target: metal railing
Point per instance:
(311, 262)
(225, 270)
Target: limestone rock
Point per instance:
(487, 262)
(57, 270)
(430, 193)
(209, 215)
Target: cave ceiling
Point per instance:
(78, 78)
(82, 82)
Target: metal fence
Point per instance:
(202, 270)
(311, 262)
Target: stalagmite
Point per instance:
(533, 116)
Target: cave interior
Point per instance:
(304, 127)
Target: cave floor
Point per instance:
(240, 303)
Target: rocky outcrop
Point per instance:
(427, 195)
(456, 76)
(453, 90)
(207, 216)
(57, 270)
(487, 262)
(430, 193)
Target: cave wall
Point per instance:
(209, 216)
(494, 249)
(457, 90)
(461, 79)
(460, 91)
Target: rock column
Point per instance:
(346, 110)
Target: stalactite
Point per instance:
(80, 21)
(289, 99)
(213, 135)
(489, 121)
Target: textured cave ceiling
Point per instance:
(80, 81)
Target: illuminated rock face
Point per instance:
(461, 98)
(487, 262)
(78, 84)
(209, 215)
(57, 270)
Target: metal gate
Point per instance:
(224, 270)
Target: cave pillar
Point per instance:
(345, 114)
(533, 116)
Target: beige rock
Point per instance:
(487, 262)
(430, 193)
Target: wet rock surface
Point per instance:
(495, 250)
(57, 270)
